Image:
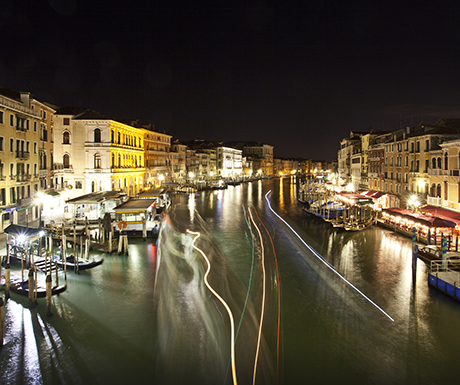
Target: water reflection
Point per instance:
(192, 322)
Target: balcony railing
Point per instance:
(23, 177)
(22, 129)
(22, 155)
(437, 171)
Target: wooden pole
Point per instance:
(48, 294)
(31, 286)
(74, 239)
(57, 275)
(36, 280)
(2, 315)
(7, 280)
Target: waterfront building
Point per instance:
(198, 166)
(19, 158)
(376, 161)
(229, 162)
(96, 153)
(261, 156)
(45, 152)
(177, 158)
(444, 175)
(348, 147)
(157, 157)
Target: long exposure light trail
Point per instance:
(263, 299)
(279, 301)
(230, 314)
(322, 259)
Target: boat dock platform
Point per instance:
(444, 280)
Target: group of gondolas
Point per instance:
(322, 203)
(32, 250)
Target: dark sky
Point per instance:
(299, 75)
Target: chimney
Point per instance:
(25, 98)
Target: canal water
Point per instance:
(305, 303)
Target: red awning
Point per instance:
(426, 220)
(441, 213)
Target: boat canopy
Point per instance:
(17, 230)
(133, 206)
(95, 197)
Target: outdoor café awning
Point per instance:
(426, 220)
(440, 212)
(95, 197)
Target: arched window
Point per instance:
(446, 162)
(433, 190)
(66, 137)
(438, 190)
(93, 186)
(119, 138)
(66, 161)
(112, 137)
(113, 160)
(119, 160)
(97, 161)
(97, 135)
(439, 163)
(446, 191)
(433, 163)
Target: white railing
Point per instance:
(434, 201)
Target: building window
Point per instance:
(446, 162)
(97, 135)
(35, 126)
(1, 117)
(66, 137)
(446, 191)
(1, 143)
(11, 145)
(35, 147)
(66, 121)
(11, 120)
(78, 185)
(66, 161)
(97, 161)
(439, 163)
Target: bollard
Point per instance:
(31, 286)
(48, 294)
(2, 315)
(7, 280)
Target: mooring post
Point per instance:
(109, 246)
(144, 228)
(2, 316)
(31, 286)
(48, 294)
(7, 280)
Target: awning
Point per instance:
(441, 212)
(17, 230)
(426, 220)
(95, 197)
(135, 206)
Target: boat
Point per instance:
(81, 264)
(358, 225)
(430, 253)
(18, 286)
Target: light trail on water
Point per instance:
(262, 311)
(322, 259)
(230, 314)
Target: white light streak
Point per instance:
(230, 315)
(322, 259)
(262, 311)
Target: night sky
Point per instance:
(299, 75)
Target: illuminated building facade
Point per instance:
(94, 153)
(19, 149)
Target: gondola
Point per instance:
(83, 264)
(18, 286)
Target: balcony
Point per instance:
(22, 129)
(23, 177)
(437, 172)
(22, 155)
(454, 172)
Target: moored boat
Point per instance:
(81, 264)
(18, 286)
